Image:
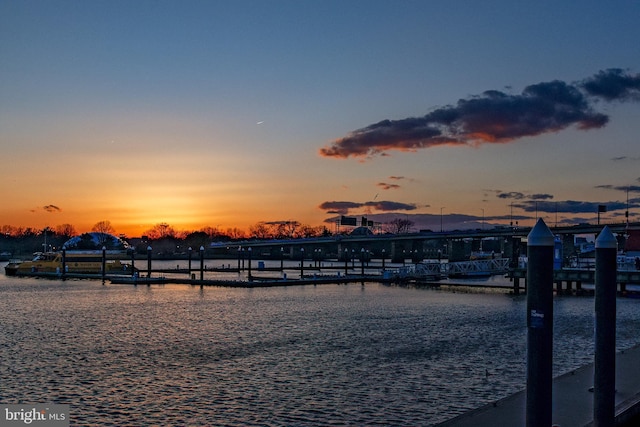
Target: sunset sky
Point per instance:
(227, 113)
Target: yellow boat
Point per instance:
(75, 262)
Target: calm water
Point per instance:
(291, 356)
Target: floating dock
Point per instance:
(572, 399)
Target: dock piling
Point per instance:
(539, 326)
(604, 380)
(201, 262)
(149, 261)
(104, 263)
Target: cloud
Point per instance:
(52, 208)
(541, 196)
(613, 84)
(343, 207)
(387, 186)
(568, 206)
(494, 117)
(516, 195)
(336, 207)
(624, 188)
(625, 158)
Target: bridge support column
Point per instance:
(397, 254)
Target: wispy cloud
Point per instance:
(516, 195)
(495, 117)
(343, 207)
(387, 186)
(625, 158)
(567, 206)
(48, 208)
(624, 188)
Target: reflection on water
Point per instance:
(314, 355)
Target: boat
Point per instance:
(75, 262)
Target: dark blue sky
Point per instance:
(215, 112)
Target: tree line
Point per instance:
(26, 240)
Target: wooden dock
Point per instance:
(256, 282)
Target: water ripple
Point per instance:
(303, 356)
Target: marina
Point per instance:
(488, 278)
(304, 355)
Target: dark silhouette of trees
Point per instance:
(65, 230)
(104, 229)
(399, 226)
(161, 231)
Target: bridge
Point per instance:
(413, 246)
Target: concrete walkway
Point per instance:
(572, 400)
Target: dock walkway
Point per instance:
(572, 400)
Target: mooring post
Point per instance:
(301, 263)
(362, 262)
(149, 261)
(104, 263)
(249, 255)
(604, 381)
(539, 325)
(201, 263)
(383, 254)
(346, 261)
(189, 251)
(133, 262)
(64, 262)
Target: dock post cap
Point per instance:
(606, 239)
(540, 235)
